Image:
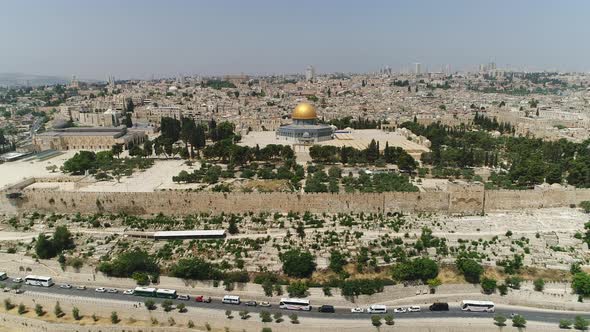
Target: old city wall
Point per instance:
(533, 199)
(468, 201)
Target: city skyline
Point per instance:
(144, 39)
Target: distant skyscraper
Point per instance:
(309, 73)
(417, 68)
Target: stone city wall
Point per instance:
(468, 201)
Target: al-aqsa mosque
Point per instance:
(305, 128)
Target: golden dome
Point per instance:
(304, 111)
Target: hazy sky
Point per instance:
(138, 38)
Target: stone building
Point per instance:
(102, 138)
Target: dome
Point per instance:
(304, 111)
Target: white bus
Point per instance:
(38, 281)
(377, 309)
(470, 305)
(295, 304)
(231, 299)
(3, 276)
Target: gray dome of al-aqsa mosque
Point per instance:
(305, 128)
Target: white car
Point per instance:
(81, 287)
(399, 310)
(265, 304)
(18, 280)
(184, 297)
(100, 290)
(65, 286)
(414, 308)
(127, 292)
(112, 290)
(357, 310)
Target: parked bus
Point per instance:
(3, 276)
(295, 304)
(144, 291)
(166, 293)
(485, 306)
(38, 281)
(231, 299)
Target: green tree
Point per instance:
(57, 311)
(233, 227)
(581, 283)
(297, 289)
(389, 319)
(62, 239)
(128, 122)
(471, 269)
(114, 317)
(130, 262)
(181, 307)
(278, 317)
(539, 284)
(22, 309)
(488, 285)
(337, 261)
(417, 269)
(44, 247)
(500, 320)
(76, 313)
(150, 304)
(376, 320)
(294, 319)
(298, 264)
(117, 149)
(518, 321)
(39, 310)
(580, 323)
(565, 324)
(265, 316)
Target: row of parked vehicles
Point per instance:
(285, 303)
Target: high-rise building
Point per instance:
(417, 68)
(310, 73)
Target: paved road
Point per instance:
(341, 313)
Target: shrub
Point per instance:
(76, 313)
(190, 324)
(585, 205)
(539, 284)
(8, 304)
(565, 324)
(278, 317)
(22, 309)
(39, 310)
(114, 317)
(57, 310)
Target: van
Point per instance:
(377, 309)
(439, 306)
(326, 308)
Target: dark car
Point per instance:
(326, 308)
(439, 306)
(251, 303)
